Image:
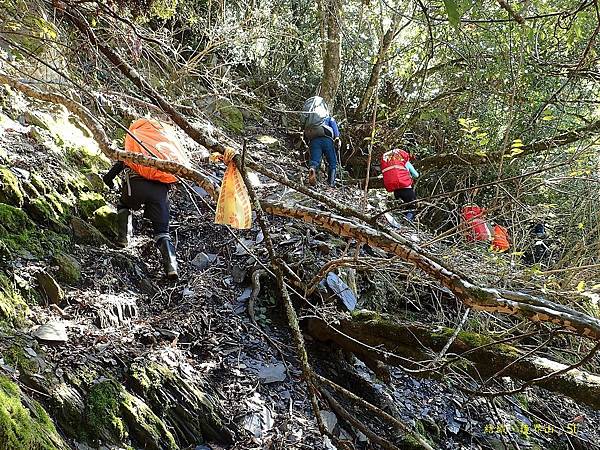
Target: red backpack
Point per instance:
(393, 168)
(478, 229)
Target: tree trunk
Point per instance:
(333, 50)
(384, 46)
(407, 344)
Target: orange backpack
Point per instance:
(500, 242)
(160, 142)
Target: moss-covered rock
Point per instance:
(89, 202)
(230, 116)
(42, 211)
(19, 236)
(29, 190)
(24, 424)
(145, 426)
(13, 219)
(198, 409)
(15, 356)
(68, 268)
(85, 233)
(94, 180)
(38, 182)
(102, 412)
(86, 158)
(105, 220)
(13, 308)
(38, 119)
(10, 190)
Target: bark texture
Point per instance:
(373, 336)
(384, 46)
(333, 52)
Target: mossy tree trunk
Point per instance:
(373, 337)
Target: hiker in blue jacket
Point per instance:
(323, 138)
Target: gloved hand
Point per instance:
(109, 181)
(338, 143)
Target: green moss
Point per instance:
(69, 269)
(85, 158)
(13, 308)
(19, 236)
(16, 357)
(89, 202)
(13, 219)
(83, 377)
(473, 339)
(10, 191)
(62, 203)
(25, 425)
(523, 400)
(39, 183)
(102, 412)
(230, 116)
(42, 211)
(105, 220)
(149, 375)
(146, 425)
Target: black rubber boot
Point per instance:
(123, 227)
(331, 177)
(167, 250)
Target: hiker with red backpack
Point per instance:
(148, 187)
(323, 136)
(398, 174)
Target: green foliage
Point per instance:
(452, 12)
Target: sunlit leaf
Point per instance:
(548, 118)
(452, 12)
(581, 286)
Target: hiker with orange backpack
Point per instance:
(398, 174)
(148, 187)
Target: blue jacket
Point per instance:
(330, 122)
(411, 169)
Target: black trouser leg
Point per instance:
(407, 195)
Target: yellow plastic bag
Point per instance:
(233, 206)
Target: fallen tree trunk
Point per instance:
(534, 308)
(409, 344)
